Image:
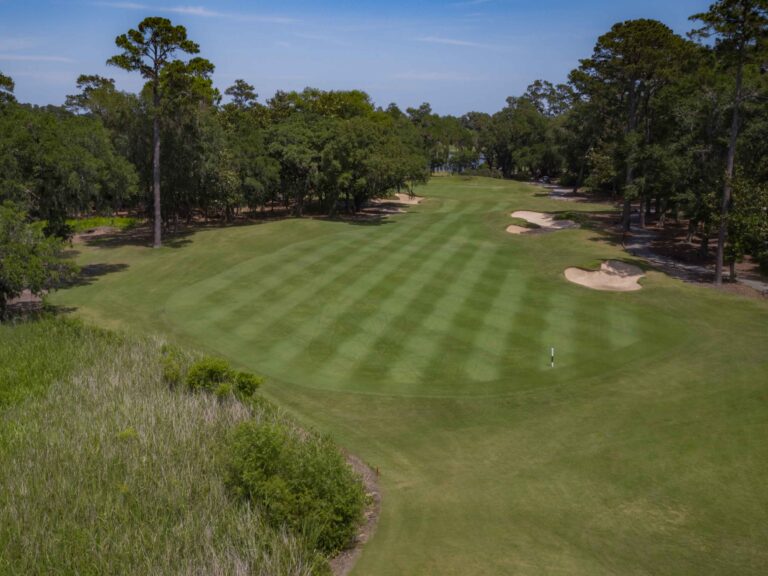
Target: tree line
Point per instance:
(667, 124)
(670, 125)
(175, 151)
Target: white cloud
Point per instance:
(458, 42)
(32, 58)
(200, 11)
(436, 77)
(321, 38)
(448, 41)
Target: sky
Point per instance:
(460, 56)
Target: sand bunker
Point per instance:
(545, 222)
(514, 229)
(387, 206)
(613, 276)
(395, 203)
(410, 200)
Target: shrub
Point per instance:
(246, 384)
(483, 171)
(208, 373)
(224, 391)
(298, 480)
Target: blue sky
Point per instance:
(457, 55)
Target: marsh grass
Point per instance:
(111, 471)
(35, 353)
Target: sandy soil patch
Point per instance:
(409, 200)
(613, 276)
(514, 229)
(388, 206)
(545, 221)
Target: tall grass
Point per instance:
(35, 354)
(113, 472)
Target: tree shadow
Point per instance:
(359, 219)
(139, 236)
(570, 199)
(90, 273)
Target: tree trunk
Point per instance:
(704, 248)
(158, 241)
(692, 225)
(733, 270)
(579, 178)
(631, 126)
(626, 217)
(728, 186)
(642, 212)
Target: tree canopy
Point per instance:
(29, 260)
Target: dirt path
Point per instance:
(342, 564)
(640, 244)
(564, 194)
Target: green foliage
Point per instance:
(242, 94)
(128, 435)
(173, 362)
(58, 165)
(28, 259)
(80, 225)
(6, 89)
(246, 384)
(33, 355)
(224, 390)
(748, 221)
(299, 480)
(106, 470)
(738, 28)
(213, 375)
(207, 373)
(151, 47)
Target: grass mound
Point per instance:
(112, 471)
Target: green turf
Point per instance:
(423, 345)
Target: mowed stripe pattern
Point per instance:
(428, 303)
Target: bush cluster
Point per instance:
(217, 376)
(299, 480)
(207, 374)
(483, 171)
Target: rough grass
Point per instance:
(34, 354)
(109, 471)
(80, 225)
(423, 344)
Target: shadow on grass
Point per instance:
(182, 236)
(139, 236)
(92, 272)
